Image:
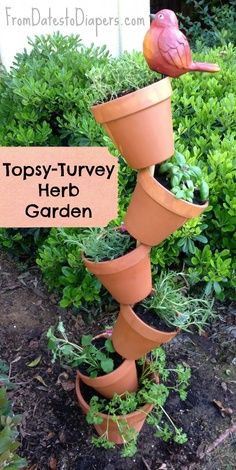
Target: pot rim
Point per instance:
(103, 378)
(151, 333)
(119, 264)
(145, 409)
(166, 198)
(133, 102)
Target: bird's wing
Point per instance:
(174, 48)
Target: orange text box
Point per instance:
(57, 187)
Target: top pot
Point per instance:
(140, 124)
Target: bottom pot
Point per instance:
(134, 420)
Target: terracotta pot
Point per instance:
(155, 213)
(135, 420)
(121, 380)
(140, 124)
(128, 278)
(132, 338)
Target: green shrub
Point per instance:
(205, 130)
(63, 271)
(24, 243)
(210, 24)
(43, 99)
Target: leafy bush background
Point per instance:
(210, 23)
(45, 101)
(206, 22)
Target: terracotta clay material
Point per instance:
(121, 380)
(135, 420)
(155, 213)
(128, 278)
(140, 124)
(132, 338)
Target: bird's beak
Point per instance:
(152, 16)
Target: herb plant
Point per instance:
(97, 360)
(175, 308)
(109, 81)
(185, 180)
(151, 392)
(103, 244)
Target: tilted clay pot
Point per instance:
(134, 420)
(140, 124)
(155, 213)
(128, 278)
(121, 380)
(132, 338)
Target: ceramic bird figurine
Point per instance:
(167, 50)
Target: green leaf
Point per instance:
(204, 191)
(180, 158)
(197, 171)
(107, 365)
(217, 288)
(208, 289)
(61, 328)
(165, 167)
(86, 340)
(67, 350)
(35, 362)
(109, 346)
(5, 439)
(201, 239)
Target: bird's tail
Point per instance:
(204, 67)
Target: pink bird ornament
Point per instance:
(166, 48)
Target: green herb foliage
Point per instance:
(185, 180)
(97, 360)
(102, 244)
(174, 307)
(150, 392)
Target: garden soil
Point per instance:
(53, 432)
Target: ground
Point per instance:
(54, 433)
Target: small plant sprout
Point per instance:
(153, 390)
(102, 244)
(185, 179)
(97, 360)
(175, 308)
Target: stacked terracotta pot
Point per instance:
(140, 125)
